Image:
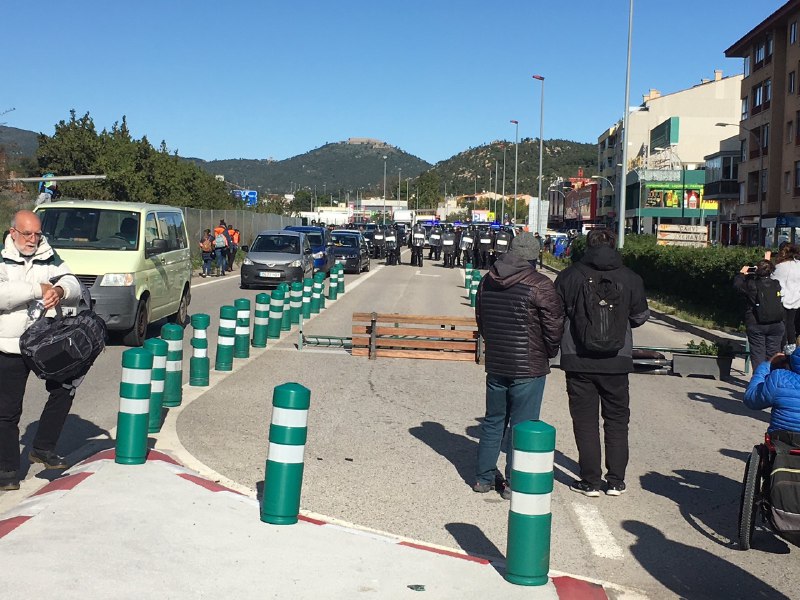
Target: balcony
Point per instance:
(718, 189)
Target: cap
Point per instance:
(525, 246)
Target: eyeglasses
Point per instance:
(29, 234)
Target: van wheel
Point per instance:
(136, 335)
(181, 317)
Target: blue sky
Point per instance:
(261, 79)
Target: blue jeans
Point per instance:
(222, 259)
(508, 402)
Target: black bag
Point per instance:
(768, 307)
(61, 348)
(784, 486)
(600, 315)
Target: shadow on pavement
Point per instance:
(692, 572)
(474, 542)
(460, 450)
(741, 455)
(566, 464)
(707, 501)
(733, 404)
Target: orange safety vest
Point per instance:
(231, 231)
(235, 236)
(218, 229)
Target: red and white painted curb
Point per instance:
(566, 587)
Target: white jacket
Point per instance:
(788, 275)
(20, 277)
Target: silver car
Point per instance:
(277, 256)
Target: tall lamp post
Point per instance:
(760, 178)
(541, 153)
(384, 190)
(516, 162)
(503, 209)
(624, 178)
(603, 179)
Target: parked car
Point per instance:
(351, 250)
(320, 240)
(276, 256)
(134, 258)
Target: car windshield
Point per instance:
(315, 239)
(345, 241)
(90, 228)
(284, 244)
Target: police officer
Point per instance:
(417, 244)
(380, 241)
(392, 245)
(485, 246)
(450, 248)
(458, 235)
(467, 241)
(435, 241)
(502, 242)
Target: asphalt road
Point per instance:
(392, 445)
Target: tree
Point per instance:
(428, 185)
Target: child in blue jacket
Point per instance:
(776, 384)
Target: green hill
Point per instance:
(18, 143)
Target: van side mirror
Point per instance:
(245, 248)
(158, 246)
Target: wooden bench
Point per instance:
(416, 336)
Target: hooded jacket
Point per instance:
(520, 318)
(779, 389)
(20, 279)
(569, 283)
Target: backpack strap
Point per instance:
(85, 296)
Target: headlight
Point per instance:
(117, 280)
(296, 263)
(247, 261)
(318, 254)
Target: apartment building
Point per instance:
(666, 132)
(769, 128)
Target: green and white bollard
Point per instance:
(226, 337)
(283, 480)
(173, 381)
(529, 516)
(308, 285)
(134, 407)
(316, 293)
(158, 348)
(241, 342)
(467, 275)
(275, 314)
(286, 318)
(260, 321)
(333, 283)
(199, 364)
(473, 287)
(295, 302)
(341, 280)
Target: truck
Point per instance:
(409, 217)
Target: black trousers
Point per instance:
(790, 323)
(14, 376)
(765, 341)
(590, 396)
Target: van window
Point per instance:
(90, 228)
(150, 230)
(171, 225)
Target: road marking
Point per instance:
(597, 532)
(421, 274)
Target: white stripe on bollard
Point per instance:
(200, 334)
(225, 341)
(137, 376)
(174, 345)
(134, 407)
(159, 362)
(242, 331)
(227, 323)
(200, 352)
(174, 365)
(286, 417)
(156, 386)
(284, 453)
(261, 321)
(530, 504)
(533, 462)
(243, 314)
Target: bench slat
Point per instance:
(421, 319)
(467, 346)
(431, 355)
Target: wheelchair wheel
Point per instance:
(751, 492)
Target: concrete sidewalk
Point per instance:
(160, 530)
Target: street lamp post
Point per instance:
(495, 191)
(541, 152)
(623, 187)
(503, 209)
(760, 178)
(516, 162)
(399, 183)
(384, 190)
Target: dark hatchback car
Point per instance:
(275, 257)
(351, 250)
(319, 238)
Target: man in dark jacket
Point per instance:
(521, 319)
(591, 374)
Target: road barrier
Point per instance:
(316, 293)
(199, 363)
(473, 287)
(529, 516)
(158, 348)
(226, 338)
(173, 380)
(341, 280)
(283, 477)
(275, 314)
(333, 283)
(467, 275)
(261, 321)
(286, 323)
(308, 285)
(296, 305)
(134, 407)
(241, 342)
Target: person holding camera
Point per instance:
(763, 316)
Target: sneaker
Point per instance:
(48, 458)
(505, 491)
(585, 488)
(616, 488)
(482, 488)
(9, 481)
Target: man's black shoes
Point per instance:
(48, 458)
(9, 481)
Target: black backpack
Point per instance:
(784, 486)
(61, 348)
(600, 315)
(768, 307)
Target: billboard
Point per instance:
(248, 197)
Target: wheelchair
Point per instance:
(755, 500)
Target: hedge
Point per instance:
(702, 277)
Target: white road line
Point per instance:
(597, 532)
(421, 274)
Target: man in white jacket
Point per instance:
(25, 272)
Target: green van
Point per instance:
(134, 258)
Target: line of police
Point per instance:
(476, 244)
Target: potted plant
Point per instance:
(704, 359)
